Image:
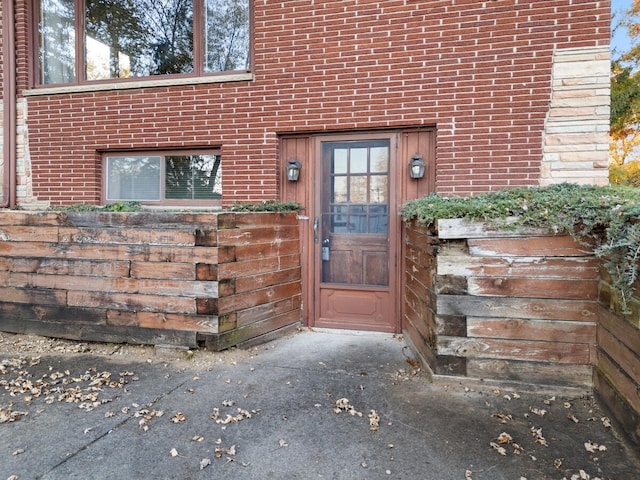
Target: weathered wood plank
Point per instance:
(196, 323)
(101, 333)
(65, 266)
(240, 335)
(38, 219)
(626, 386)
(18, 312)
(145, 219)
(129, 236)
(628, 360)
(522, 329)
(261, 250)
(518, 287)
(515, 350)
(163, 270)
(554, 267)
(19, 233)
(625, 417)
(257, 281)
(267, 310)
(504, 307)
(453, 228)
(249, 236)
(538, 373)
(33, 296)
(560, 246)
(148, 253)
(419, 346)
(258, 266)
(131, 302)
(622, 329)
(235, 303)
(158, 286)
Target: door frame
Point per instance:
(303, 147)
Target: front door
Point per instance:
(353, 227)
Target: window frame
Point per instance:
(163, 202)
(137, 82)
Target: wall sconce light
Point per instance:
(416, 167)
(293, 170)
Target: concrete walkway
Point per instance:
(270, 413)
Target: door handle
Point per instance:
(316, 225)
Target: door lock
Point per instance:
(326, 255)
(316, 225)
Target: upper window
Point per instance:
(190, 178)
(88, 40)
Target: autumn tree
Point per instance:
(624, 145)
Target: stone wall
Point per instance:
(576, 135)
(501, 306)
(190, 279)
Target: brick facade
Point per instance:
(478, 71)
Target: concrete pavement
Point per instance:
(313, 405)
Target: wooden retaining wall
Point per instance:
(617, 373)
(501, 305)
(188, 279)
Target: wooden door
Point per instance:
(353, 227)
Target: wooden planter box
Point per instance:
(211, 279)
(501, 305)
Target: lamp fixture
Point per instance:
(416, 167)
(293, 170)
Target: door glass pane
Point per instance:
(359, 160)
(354, 238)
(340, 191)
(358, 192)
(340, 160)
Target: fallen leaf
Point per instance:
(204, 463)
(283, 443)
(606, 422)
(18, 452)
(504, 437)
(197, 438)
(179, 417)
(468, 475)
(573, 418)
(557, 463)
(498, 448)
(173, 452)
(593, 447)
(374, 421)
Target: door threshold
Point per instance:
(346, 332)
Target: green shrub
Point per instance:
(266, 206)
(606, 219)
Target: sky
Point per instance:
(620, 40)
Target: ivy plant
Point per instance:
(606, 219)
(266, 206)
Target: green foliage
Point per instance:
(606, 219)
(625, 96)
(266, 206)
(110, 207)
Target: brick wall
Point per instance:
(478, 70)
(217, 280)
(501, 306)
